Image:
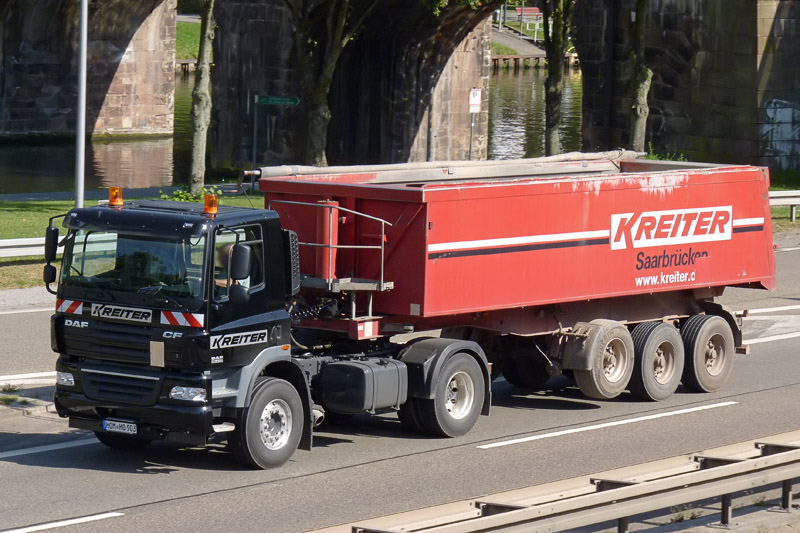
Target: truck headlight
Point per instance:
(192, 394)
(65, 378)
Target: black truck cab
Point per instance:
(147, 316)
(174, 322)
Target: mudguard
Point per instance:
(425, 359)
(735, 322)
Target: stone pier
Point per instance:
(131, 74)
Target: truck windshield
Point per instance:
(132, 263)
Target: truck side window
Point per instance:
(249, 235)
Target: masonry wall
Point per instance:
(724, 87)
(468, 67)
(131, 71)
(380, 93)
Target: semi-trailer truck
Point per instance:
(404, 288)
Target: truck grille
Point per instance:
(123, 343)
(112, 385)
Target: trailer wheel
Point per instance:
(458, 398)
(121, 442)
(267, 433)
(708, 341)
(610, 352)
(527, 373)
(659, 358)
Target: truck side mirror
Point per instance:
(50, 274)
(240, 262)
(50, 244)
(239, 294)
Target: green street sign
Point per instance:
(277, 100)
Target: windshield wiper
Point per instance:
(155, 290)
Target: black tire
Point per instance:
(526, 372)
(278, 401)
(409, 416)
(659, 358)
(611, 353)
(709, 345)
(121, 442)
(458, 398)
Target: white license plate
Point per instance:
(120, 426)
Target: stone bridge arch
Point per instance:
(131, 72)
(725, 85)
(403, 60)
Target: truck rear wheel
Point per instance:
(659, 358)
(525, 372)
(610, 354)
(458, 398)
(267, 433)
(708, 341)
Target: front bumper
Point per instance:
(158, 420)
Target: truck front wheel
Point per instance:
(708, 341)
(458, 398)
(269, 430)
(610, 354)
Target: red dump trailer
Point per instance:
(604, 266)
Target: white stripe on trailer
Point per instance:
(738, 223)
(511, 241)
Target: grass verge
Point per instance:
(187, 40)
(500, 50)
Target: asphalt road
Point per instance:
(369, 466)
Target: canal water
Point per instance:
(516, 129)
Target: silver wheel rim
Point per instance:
(715, 355)
(459, 395)
(276, 424)
(615, 360)
(664, 363)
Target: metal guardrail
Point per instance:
(790, 198)
(24, 247)
(616, 495)
(35, 246)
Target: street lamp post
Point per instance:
(80, 117)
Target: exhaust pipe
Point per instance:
(318, 415)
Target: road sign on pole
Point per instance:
(475, 100)
(290, 101)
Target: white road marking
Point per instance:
(46, 448)
(787, 249)
(773, 338)
(773, 309)
(18, 311)
(35, 375)
(605, 425)
(63, 523)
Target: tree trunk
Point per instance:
(201, 99)
(553, 87)
(640, 110)
(318, 116)
(641, 78)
